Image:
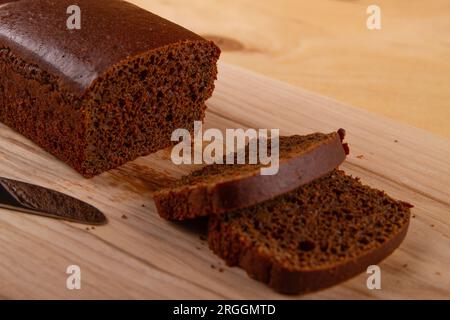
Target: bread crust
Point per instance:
(111, 33)
(188, 202)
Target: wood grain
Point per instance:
(143, 256)
(401, 71)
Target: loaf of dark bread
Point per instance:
(314, 237)
(107, 93)
(217, 188)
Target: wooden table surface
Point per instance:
(145, 257)
(401, 71)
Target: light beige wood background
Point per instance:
(401, 71)
(144, 257)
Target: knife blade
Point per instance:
(33, 199)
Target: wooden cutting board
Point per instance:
(138, 255)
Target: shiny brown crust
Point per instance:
(112, 31)
(192, 201)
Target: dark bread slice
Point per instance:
(314, 237)
(218, 188)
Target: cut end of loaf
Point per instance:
(314, 237)
(139, 103)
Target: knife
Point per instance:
(32, 199)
